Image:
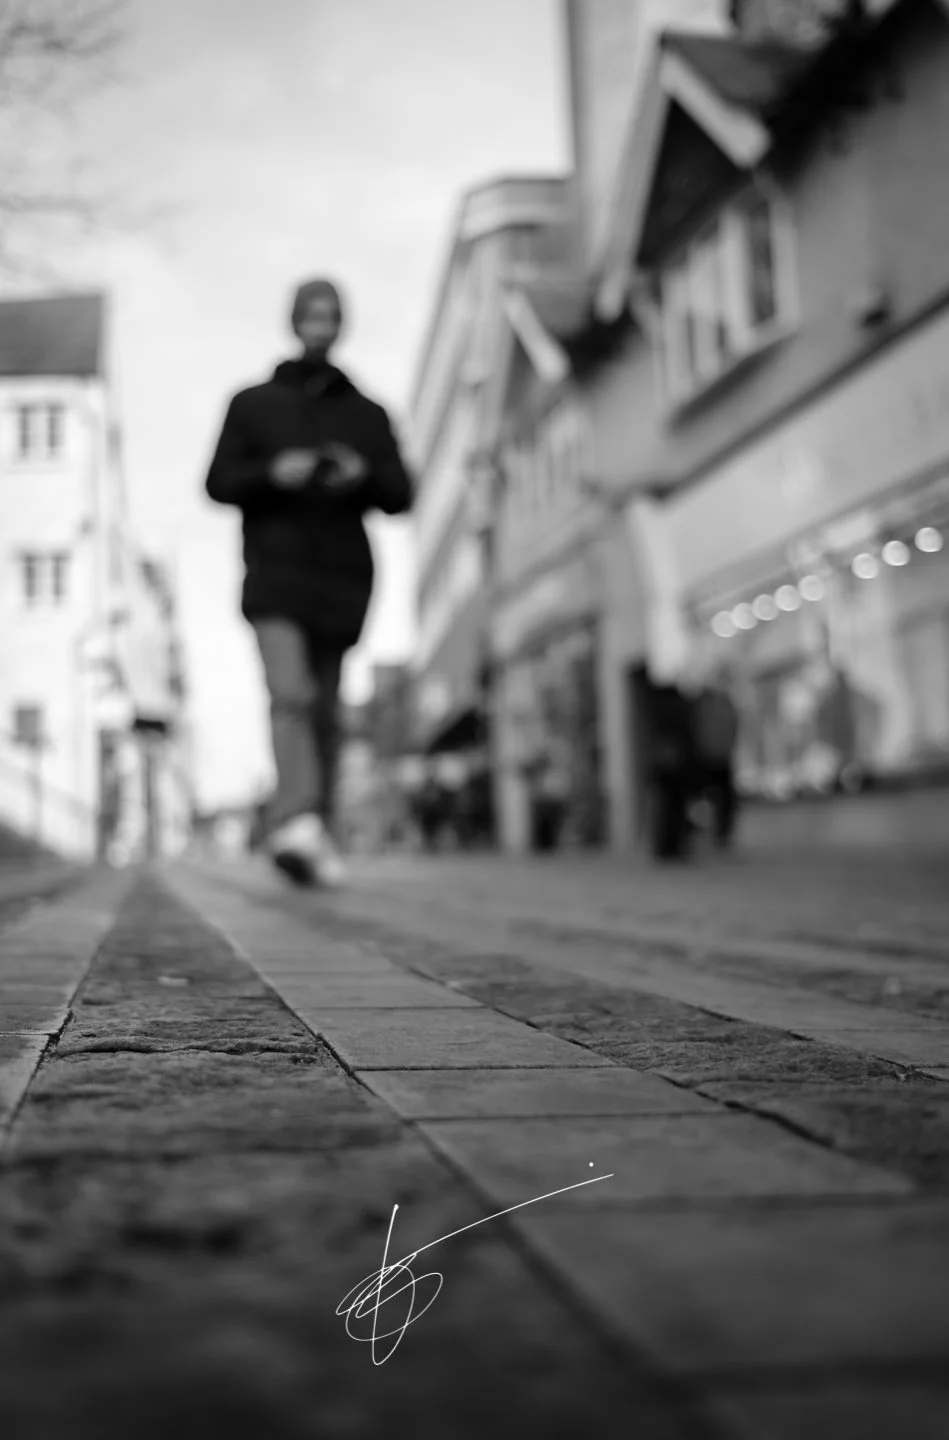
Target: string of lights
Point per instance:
(726, 624)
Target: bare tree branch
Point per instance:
(54, 54)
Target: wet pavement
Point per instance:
(215, 1090)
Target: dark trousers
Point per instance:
(302, 673)
(723, 798)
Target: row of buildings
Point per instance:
(93, 734)
(684, 412)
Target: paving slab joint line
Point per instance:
(784, 1122)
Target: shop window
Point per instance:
(725, 296)
(925, 652)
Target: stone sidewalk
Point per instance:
(246, 1081)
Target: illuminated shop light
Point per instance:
(723, 625)
(744, 617)
(896, 553)
(811, 588)
(787, 598)
(866, 566)
(764, 608)
(928, 540)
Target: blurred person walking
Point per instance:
(304, 456)
(716, 735)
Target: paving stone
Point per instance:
(739, 1288)
(19, 992)
(900, 1046)
(179, 1104)
(648, 1031)
(254, 1029)
(902, 1408)
(653, 1159)
(451, 1094)
(39, 1016)
(439, 1040)
(358, 965)
(19, 1057)
(209, 1288)
(315, 994)
(904, 1124)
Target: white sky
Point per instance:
(294, 137)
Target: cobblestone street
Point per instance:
(214, 1091)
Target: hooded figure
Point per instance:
(304, 457)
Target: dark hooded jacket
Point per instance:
(306, 553)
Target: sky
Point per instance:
(281, 139)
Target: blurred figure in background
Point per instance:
(669, 767)
(304, 456)
(430, 807)
(715, 731)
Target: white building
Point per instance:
(507, 231)
(71, 604)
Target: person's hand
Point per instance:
(348, 467)
(293, 468)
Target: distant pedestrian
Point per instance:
(669, 768)
(304, 456)
(715, 720)
(431, 811)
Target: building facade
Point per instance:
(71, 610)
(506, 231)
(773, 430)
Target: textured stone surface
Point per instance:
(474, 1094)
(174, 1104)
(654, 1159)
(314, 994)
(178, 1226)
(907, 1121)
(739, 1288)
(909, 1408)
(439, 1039)
(19, 1057)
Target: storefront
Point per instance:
(828, 605)
(547, 715)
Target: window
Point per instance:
(44, 578)
(725, 296)
(58, 574)
(40, 431)
(27, 724)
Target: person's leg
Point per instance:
(326, 665)
(292, 689)
(728, 805)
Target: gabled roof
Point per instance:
(755, 78)
(52, 335)
(734, 91)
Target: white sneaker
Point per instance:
(295, 847)
(305, 852)
(330, 867)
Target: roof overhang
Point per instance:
(546, 355)
(741, 135)
(737, 133)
